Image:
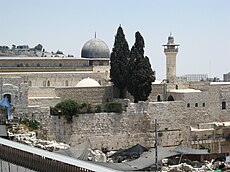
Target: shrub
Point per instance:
(98, 109)
(68, 108)
(113, 107)
(31, 124)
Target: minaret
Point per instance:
(171, 50)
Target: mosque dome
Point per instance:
(95, 48)
(88, 82)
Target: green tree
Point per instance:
(68, 108)
(139, 72)
(38, 47)
(118, 61)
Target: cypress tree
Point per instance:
(118, 61)
(139, 72)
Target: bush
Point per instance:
(113, 107)
(31, 124)
(98, 109)
(68, 108)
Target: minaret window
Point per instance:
(223, 105)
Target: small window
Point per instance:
(66, 83)
(27, 65)
(60, 65)
(203, 104)
(176, 87)
(30, 83)
(223, 105)
(188, 104)
(48, 83)
(196, 104)
(38, 65)
(18, 65)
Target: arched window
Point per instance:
(30, 83)
(38, 65)
(60, 65)
(170, 98)
(158, 98)
(48, 83)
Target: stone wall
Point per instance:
(92, 95)
(136, 124)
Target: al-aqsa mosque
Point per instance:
(186, 111)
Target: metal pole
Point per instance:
(1, 88)
(156, 144)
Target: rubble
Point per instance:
(29, 138)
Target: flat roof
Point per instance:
(185, 91)
(40, 58)
(219, 83)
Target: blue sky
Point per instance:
(201, 27)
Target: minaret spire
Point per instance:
(171, 50)
(95, 36)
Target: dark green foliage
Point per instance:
(68, 108)
(38, 47)
(113, 107)
(31, 124)
(54, 111)
(85, 108)
(139, 72)
(118, 61)
(97, 109)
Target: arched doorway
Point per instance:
(158, 98)
(8, 96)
(170, 98)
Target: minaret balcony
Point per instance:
(166, 50)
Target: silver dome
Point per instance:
(95, 48)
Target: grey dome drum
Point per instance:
(95, 48)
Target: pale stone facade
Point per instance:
(136, 124)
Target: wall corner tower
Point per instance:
(171, 50)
